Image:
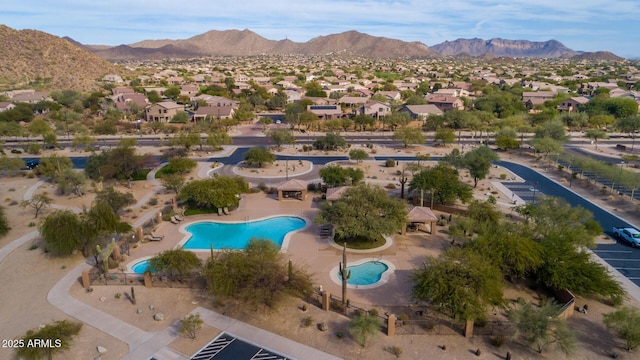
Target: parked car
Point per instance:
(629, 235)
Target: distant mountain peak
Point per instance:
(248, 43)
(504, 47)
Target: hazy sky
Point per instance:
(587, 25)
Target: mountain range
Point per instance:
(29, 57)
(248, 43)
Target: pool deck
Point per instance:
(318, 254)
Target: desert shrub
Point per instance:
(389, 163)
(390, 186)
(394, 350)
(307, 321)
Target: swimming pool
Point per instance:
(140, 267)
(236, 235)
(365, 274)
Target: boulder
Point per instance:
(151, 307)
(139, 311)
(323, 326)
(101, 349)
(102, 299)
(158, 317)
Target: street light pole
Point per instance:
(535, 190)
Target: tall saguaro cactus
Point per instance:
(106, 253)
(345, 274)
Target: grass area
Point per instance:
(361, 243)
(200, 211)
(163, 171)
(388, 75)
(141, 175)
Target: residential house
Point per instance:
(293, 96)
(212, 100)
(572, 104)
(326, 112)
(537, 96)
(446, 103)
(124, 101)
(122, 90)
(32, 97)
(390, 95)
(421, 112)
(113, 78)
(159, 90)
(175, 80)
(4, 105)
(162, 111)
(213, 112)
(375, 109)
(190, 91)
(353, 101)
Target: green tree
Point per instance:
(462, 282)
(443, 183)
(409, 136)
(59, 334)
(176, 263)
(563, 232)
(173, 182)
(446, 135)
(181, 117)
(358, 155)
(4, 223)
(595, 135)
(39, 127)
(54, 166)
(277, 101)
(98, 225)
(478, 162)
(179, 165)
(280, 137)
(11, 166)
(187, 140)
(38, 202)
(631, 125)
(546, 145)
(115, 199)
(335, 175)
(626, 322)
(364, 327)
(61, 232)
(189, 325)
(507, 138)
(364, 121)
(83, 140)
(71, 181)
(216, 192)
(331, 141)
(216, 139)
(541, 327)
(364, 212)
(257, 275)
(259, 156)
(510, 247)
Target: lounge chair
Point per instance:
(178, 217)
(219, 211)
(174, 221)
(154, 238)
(225, 210)
(159, 237)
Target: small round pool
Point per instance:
(140, 267)
(236, 235)
(365, 273)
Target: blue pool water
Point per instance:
(236, 236)
(367, 273)
(140, 267)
